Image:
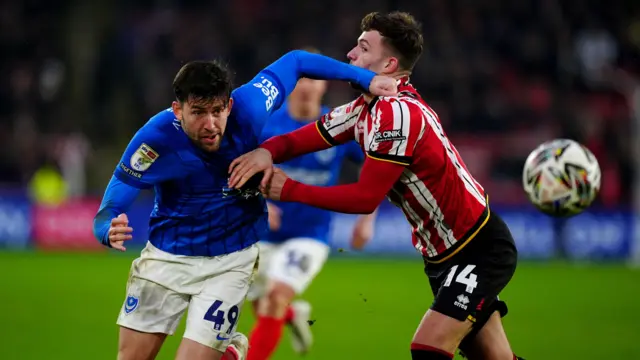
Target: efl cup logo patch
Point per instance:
(142, 159)
(131, 304)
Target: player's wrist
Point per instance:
(364, 79)
(269, 146)
(288, 190)
(105, 240)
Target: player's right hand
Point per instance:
(383, 85)
(244, 167)
(119, 232)
(275, 217)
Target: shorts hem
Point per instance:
(148, 330)
(463, 316)
(298, 289)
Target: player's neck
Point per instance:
(303, 112)
(397, 75)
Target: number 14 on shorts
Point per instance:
(218, 317)
(465, 277)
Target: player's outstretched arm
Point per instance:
(266, 92)
(110, 225)
(363, 197)
(296, 64)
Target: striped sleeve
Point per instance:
(396, 128)
(337, 126)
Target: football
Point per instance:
(561, 177)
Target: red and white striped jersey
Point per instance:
(444, 204)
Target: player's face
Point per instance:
(308, 91)
(371, 53)
(204, 121)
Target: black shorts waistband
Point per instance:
(460, 244)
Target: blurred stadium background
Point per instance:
(79, 77)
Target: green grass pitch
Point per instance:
(64, 306)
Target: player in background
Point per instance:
(296, 248)
(469, 252)
(201, 252)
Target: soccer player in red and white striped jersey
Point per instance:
(469, 253)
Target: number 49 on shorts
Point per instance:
(219, 317)
(465, 277)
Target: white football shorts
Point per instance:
(295, 262)
(162, 286)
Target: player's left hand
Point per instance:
(363, 231)
(273, 190)
(245, 166)
(383, 85)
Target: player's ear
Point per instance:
(230, 104)
(177, 109)
(392, 65)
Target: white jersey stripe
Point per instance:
(428, 202)
(423, 235)
(400, 123)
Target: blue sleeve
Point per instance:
(147, 161)
(267, 131)
(354, 152)
(116, 200)
(266, 92)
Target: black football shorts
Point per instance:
(466, 286)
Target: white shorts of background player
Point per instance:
(294, 262)
(162, 286)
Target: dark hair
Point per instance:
(401, 31)
(202, 80)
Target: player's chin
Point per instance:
(210, 144)
(210, 147)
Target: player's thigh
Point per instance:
(489, 343)
(260, 282)
(136, 345)
(155, 301)
(297, 262)
(441, 331)
(214, 312)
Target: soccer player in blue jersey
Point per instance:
(201, 251)
(296, 248)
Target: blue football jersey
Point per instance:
(195, 213)
(321, 168)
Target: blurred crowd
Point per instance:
(504, 76)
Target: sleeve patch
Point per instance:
(143, 157)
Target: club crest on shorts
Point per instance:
(142, 159)
(131, 304)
